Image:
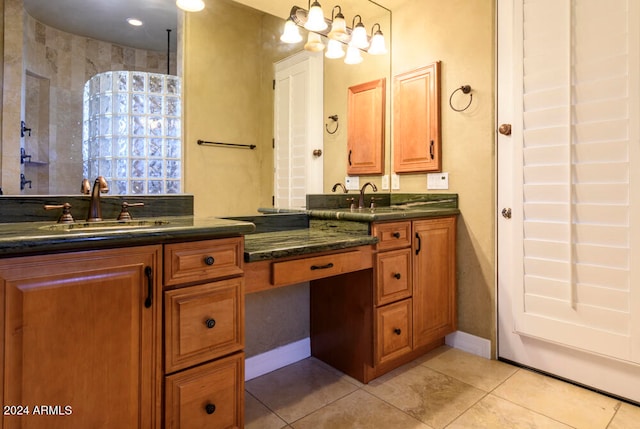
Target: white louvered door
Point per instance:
(568, 259)
(298, 107)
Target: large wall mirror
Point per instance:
(55, 109)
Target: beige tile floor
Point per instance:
(446, 388)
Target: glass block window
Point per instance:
(131, 132)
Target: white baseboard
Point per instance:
(469, 343)
(271, 360)
(261, 364)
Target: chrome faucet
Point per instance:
(100, 185)
(361, 199)
(339, 185)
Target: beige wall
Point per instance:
(228, 97)
(460, 33)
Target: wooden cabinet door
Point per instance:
(81, 339)
(434, 279)
(365, 128)
(416, 120)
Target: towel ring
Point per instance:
(334, 118)
(466, 89)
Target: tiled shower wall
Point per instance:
(65, 62)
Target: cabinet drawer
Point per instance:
(202, 260)
(208, 396)
(393, 276)
(392, 235)
(393, 331)
(317, 267)
(203, 322)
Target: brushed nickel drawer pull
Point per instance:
(322, 267)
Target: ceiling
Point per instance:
(106, 20)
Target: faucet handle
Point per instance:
(352, 202)
(65, 217)
(85, 187)
(124, 213)
(373, 203)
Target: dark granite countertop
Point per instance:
(377, 214)
(319, 237)
(25, 238)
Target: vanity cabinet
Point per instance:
(204, 334)
(82, 336)
(366, 327)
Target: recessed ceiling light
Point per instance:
(134, 21)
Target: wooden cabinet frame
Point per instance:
(365, 128)
(416, 120)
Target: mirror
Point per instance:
(63, 150)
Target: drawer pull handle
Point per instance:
(210, 408)
(148, 271)
(210, 323)
(397, 275)
(397, 331)
(322, 267)
(419, 246)
(209, 260)
(396, 234)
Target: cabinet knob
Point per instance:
(397, 275)
(210, 408)
(397, 331)
(396, 234)
(210, 323)
(209, 260)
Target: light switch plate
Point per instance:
(395, 181)
(385, 182)
(352, 183)
(438, 181)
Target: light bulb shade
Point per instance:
(315, 18)
(377, 44)
(190, 5)
(334, 49)
(291, 34)
(359, 37)
(353, 55)
(314, 43)
(339, 29)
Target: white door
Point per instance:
(298, 129)
(569, 255)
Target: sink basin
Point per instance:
(104, 225)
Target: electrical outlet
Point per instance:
(385, 182)
(395, 181)
(352, 183)
(438, 181)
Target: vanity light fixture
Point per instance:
(334, 49)
(291, 34)
(357, 38)
(338, 26)
(353, 55)
(359, 34)
(314, 43)
(190, 5)
(377, 46)
(315, 18)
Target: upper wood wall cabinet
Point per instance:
(416, 120)
(365, 128)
